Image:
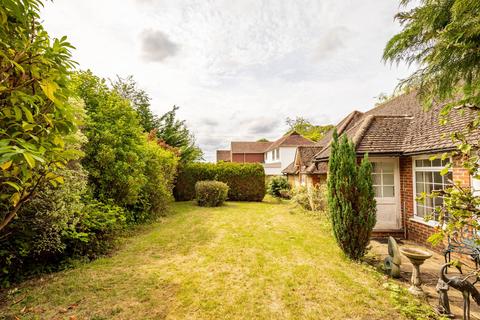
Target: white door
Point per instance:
(386, 184)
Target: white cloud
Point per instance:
(237, 69)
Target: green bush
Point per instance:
(351, 201)
(210, 193)
(312, 198)
(160, 171)
(246, 181)
(278, 187)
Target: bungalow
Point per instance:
(275, 156)
(400, 138)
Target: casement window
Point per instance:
(427, 178)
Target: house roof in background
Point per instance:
(303, 159)
(224, 155)
(400, 126)
(249, 146)
(292, 139)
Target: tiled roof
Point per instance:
(292, 139)
(292, 168)
(303, 159)
(400, 126)
(223, 155)
(249, 147)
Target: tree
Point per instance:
(127, 88)
(307, 129)
(35, 111)
(351, 200)
(263, 140)
(113, 153)
(443, 39)
(168, 129)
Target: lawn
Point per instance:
(241, 261)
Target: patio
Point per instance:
(430, 274)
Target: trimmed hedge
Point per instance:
(210, 193)
(246, 181)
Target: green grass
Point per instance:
(240, 261)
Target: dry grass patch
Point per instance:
(239, 261)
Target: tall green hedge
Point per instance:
(246, 181)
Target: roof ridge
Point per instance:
(363, 127)
(347, 119)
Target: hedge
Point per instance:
(246, 181)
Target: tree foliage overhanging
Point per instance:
(442, 38)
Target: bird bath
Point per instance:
(417, 257)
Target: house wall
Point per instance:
(275, 167)
(417, 229)
(247, 157)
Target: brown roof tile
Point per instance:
(401, 126)
(249, 147)
(292, 139)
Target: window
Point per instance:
(383, 179)
(428, 179)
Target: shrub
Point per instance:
(351, 201)
(210, 193)
(160, 171)
(278, 187)
(95, 230)
(312, 198)
(246, 181)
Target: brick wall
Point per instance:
(248, 157)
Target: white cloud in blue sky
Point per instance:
(238, 68)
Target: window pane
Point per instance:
(437, 178)
(428, 188)
(388, 179)
(376, 167)
(378, 191)
(388, 192)
(418, 163)
(444, 162)
(420, 211)
(438, 202)
(420, 187)
(438, 187)
(388, 167)
(427, 163)
(419, 176)
(428, 177)
(377, 179)
(428, 202)
(437, 163)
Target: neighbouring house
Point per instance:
(282, 152)
(224, 155)
(400, 139)
(303, 171)
(275, 156)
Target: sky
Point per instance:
(238, 68)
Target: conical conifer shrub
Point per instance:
(351, 199)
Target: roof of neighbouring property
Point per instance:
(303, 159)
(249, 146)
(223, 155)
(400, 126)
(291, 139)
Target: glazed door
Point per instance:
(386, 184)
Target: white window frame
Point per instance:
(432, 223)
